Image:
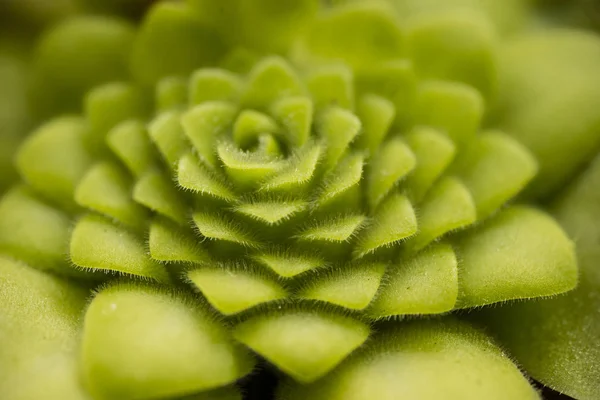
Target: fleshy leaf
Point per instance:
(270, 79)
(170, 94)
(338, 127)
(173, 41)
(332, 86)
(234, 289)
(377, 115)
(129, 141)
(556, 340)
(210, 84)
(42, 163)
(450, 107)
(520, 253)
(157, 192)
(106, 189)
(34, 231)
(336, 229)
(171, 243)
(345, 175)
(148, 342)
(41, 316)
(304, 344)
(495, 168)
(426, 359)
(204, 123)
(247, 169)
(218, 227)
(392, 162)
(271, 212)
(97, 244)
(249, 125)
(167, 134)
(426, 283)
(194, 176)
(295, 115)
(447, 207)
(289, 265)
(350, 286)
(299, 170)
(394, 221)
(434, 152)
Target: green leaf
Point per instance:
(232, 289)
(338, 127)
(393, 221)
(170, 94)
(332, 86)
(148, 342)
(391, 163)
(288, 264)
(129, 141)
(446, 208)
(434, 152)
(159, 193)
(455, 47)
(558, 121)
(108, 105)
(295, 115)
(556, 339)
(247, 169)
(271, 212)
(204, 124)
(221, 227)
(377, 115)
(304, 344)
(40, 319)
(167, 134)
(42, 163)
(173, 41)
(426, 283)
(249, 125)
(97, 244)
(349, 286)
(338, 228)
(193, 175)
(270, 80)
(211, 84)
(426, 359)
(345, 175)
(169, 242)
(360, 34)
(298, 171)
(34, 231)
(450, 107)
(519, 254)
(106, 189)
(495, 168)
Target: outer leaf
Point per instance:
(438, 359)
(147, 342)
(304, 344)
(521, 253)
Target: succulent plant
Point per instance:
(342, 194)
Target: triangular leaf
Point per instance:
(171, 243)
(335, 229)
(332, 86)
(377, 115)
(167, 134)
(210, 84)
(218, 227)
(157, 192)
(193, 175)
(130, 142)
(287, 264)
(338, 127)
(295, 114)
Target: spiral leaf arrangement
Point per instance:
(290, 210)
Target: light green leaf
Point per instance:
(393, 221)
(450, 107)
(247, 169)
(41, 320)
(211, 84)
(426, 283)
(344, 176)
(106, 189)
(149, 342)
(271, 212)
(130, 142)
(169, 242)
(220, 227)
(377, 115)
(332, 86)
(193, 175)
(339, 228)
(338, 127)
(249, 125)
(519, 254)
(287, 264)
(167, 134)
(170, 94)
(298, 171)
(97, 244)
(391, 163)
(159, 193)
(295, 115)
(304, 344)
(42, 163)
(447, 207)
(350, 286)
(424, 359)
(495, 168)
(204, 124)
(232, 289)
